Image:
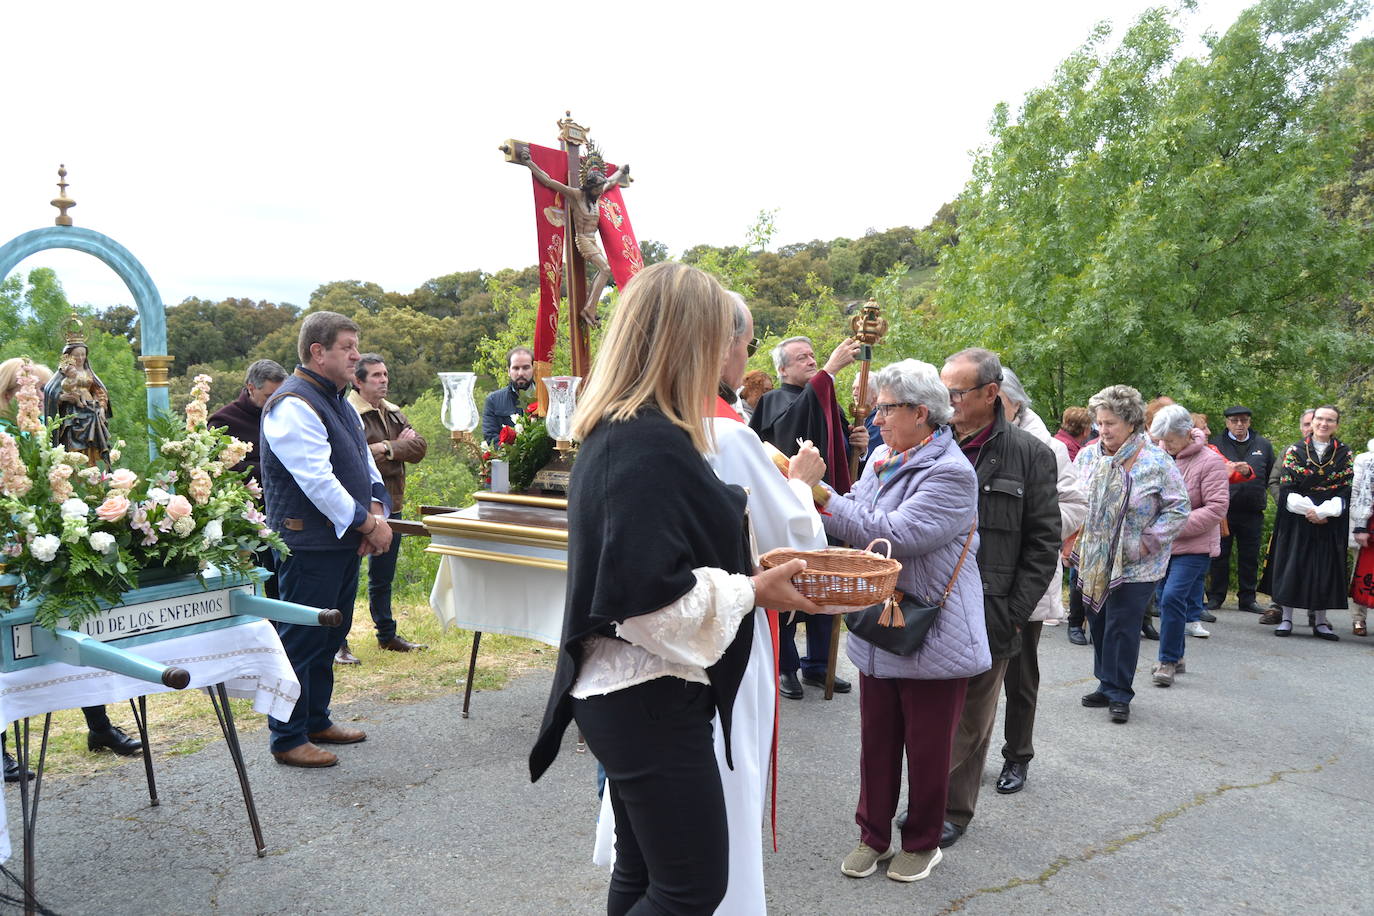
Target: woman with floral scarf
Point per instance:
(1137, 504)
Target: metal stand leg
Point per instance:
(472, 670)
(834, 657)
(140, 708)
(29, 810)
(219, 699)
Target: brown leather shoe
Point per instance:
(401, 644)
(1271, 618)
(339, 734)
(345, 657)
(1359, 628)
(306, 755)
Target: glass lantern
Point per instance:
(562, 403)
(459, 413)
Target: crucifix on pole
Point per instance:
(589, 201)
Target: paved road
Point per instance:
(1244, 787)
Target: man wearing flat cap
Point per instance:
(1249, 457)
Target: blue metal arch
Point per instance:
(152, 314)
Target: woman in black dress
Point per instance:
(1308, 567)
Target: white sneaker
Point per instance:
(1195, 629)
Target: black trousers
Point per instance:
(1076, 615)
(672, 846)
(1022, 686)
(1246, 531)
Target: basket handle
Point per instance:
(869, 548)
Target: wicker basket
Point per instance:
(839, 576)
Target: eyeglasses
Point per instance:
(885, 409)
(957, 394)
(753, 346)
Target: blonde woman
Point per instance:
(658, 624)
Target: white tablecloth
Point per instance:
(499, 598)
(248, 659)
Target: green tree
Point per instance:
(1155, 220)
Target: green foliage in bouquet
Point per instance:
(525, 447)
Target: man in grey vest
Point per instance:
(326, 499)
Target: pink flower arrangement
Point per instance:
(187, 511)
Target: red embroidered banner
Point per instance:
(549, 220)
(618, 238)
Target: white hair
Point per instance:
(914, 382)
(741, 313)
(1011, 386)
(1172, 420)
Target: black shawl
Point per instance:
(644, 510)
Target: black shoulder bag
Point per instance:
(899, 625)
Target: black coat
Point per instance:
(644, 510)
(1247, 496)
(1018, 528)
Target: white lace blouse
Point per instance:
(681, 640)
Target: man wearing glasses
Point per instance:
(804, 408)
(1018, 554)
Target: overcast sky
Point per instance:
(261, 149)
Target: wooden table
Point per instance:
(503, 569)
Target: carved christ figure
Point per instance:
(583, 205)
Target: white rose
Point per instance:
(44, 548)
(159, 495)
(213, 532)
(101, 541)
(75, 508)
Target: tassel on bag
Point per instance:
(892, 612)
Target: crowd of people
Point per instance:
(668, 662)
(666, 633)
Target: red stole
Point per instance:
(837, 446)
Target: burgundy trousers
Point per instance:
(920, 718)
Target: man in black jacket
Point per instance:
(1249, 458)
(1018, 554)
(501, 403)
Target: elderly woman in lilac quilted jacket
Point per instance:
(920, 493)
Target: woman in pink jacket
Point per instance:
(1209, 496)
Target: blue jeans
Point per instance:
(1116, 639)
(322, 579)
(1180, 601)
(381, 570)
